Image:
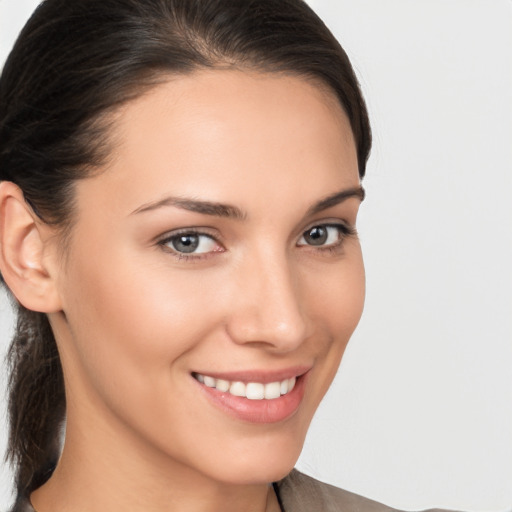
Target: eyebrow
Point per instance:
(337, 198)
(195, 205)
(233, 212)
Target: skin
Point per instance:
(133, 319)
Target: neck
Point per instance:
(102, 469)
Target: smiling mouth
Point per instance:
(256, 396)
(250, 390)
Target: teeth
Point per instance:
(223, 385)
(272, 390)
(209, 381)
(251, 390)
(255, 391)
(237, 389)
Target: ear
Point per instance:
(24, 254)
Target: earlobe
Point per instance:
(23, 259)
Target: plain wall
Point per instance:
(420, 414)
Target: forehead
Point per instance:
(227, 133)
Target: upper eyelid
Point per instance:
(337, 224)
(190, 230)
(329, 222)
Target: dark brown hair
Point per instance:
(75, 62)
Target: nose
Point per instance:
(266, 306)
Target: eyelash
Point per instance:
(344, 231)
(165, 244)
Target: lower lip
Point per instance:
(258, 411)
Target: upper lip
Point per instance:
(263, 376)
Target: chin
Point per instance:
(254, 475)
(256, 465)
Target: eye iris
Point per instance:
(316, 236)
(186, 243)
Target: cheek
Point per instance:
(130, 323)
(347, 301)
(335, 302)
(336, 295)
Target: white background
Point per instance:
(421, 412)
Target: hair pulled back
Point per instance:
(73, 64)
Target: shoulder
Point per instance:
(302, 493)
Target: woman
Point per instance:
(180, 187)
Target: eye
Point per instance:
(323, 235)
(191, 243)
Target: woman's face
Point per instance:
(218, 248)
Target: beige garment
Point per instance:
(301, 493)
